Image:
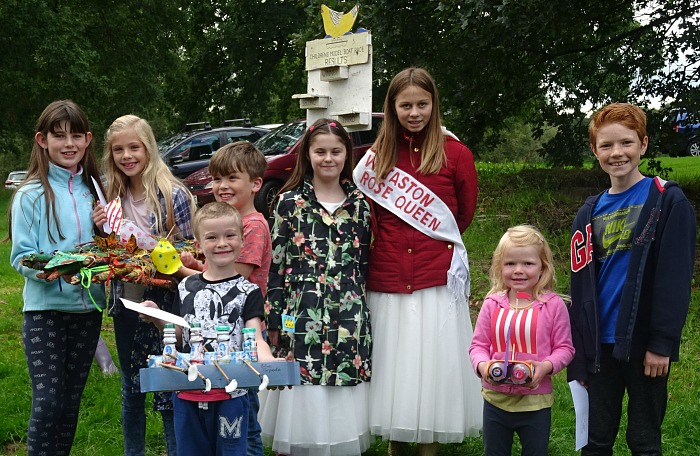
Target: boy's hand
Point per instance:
(169, 277)
(656, 365)
(190, 262)
(273, 335)
(542, 369)
(268, 358)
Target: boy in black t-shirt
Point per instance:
(216, 422)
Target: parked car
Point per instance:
(271, 126)
(685, 136)
(280, 149)
(191, 149)
(15, 178)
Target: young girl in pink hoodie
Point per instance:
(522, 337)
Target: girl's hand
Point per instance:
(542, 369)
(482, 367)
(160, 324)
(98, 215)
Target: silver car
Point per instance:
(14, 179)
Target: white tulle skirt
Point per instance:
(316, 420)
(423, 387)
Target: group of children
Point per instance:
(380, 239)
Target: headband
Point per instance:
(330, 124)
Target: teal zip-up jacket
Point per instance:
(30, 234)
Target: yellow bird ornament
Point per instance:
(338, 24)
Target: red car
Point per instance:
(280, 147)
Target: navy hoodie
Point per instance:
(656, 293)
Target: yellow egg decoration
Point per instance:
(165, 257)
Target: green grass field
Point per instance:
(509, 195)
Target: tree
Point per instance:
(542, 60)
(545, 63)
(110, 57)
(243, 60)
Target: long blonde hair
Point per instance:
(157, 178)
(522, 236)
(433, 149)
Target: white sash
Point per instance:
(417, 205)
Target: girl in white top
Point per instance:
(157, 203)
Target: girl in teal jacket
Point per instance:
(52, 210)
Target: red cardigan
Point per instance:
(402, 259)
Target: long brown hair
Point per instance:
(433, 150)
(303, 165)
(53, 116)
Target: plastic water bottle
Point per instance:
(169, 341)
(196, 344)
(249, 345)
(222, 343)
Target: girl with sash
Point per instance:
(522, 337)
(423, 189)
(316, 294)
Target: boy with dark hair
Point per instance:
(632, 256)
(237, 170)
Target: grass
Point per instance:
(683, 169)
(509, 195)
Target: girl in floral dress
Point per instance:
(316, 295)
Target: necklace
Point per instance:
(518, 296)
(410, 157)
(517, 307)
(413, 151)
(133, 198)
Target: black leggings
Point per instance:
(500, 426)
(59, 347)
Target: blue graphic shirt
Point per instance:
(614, 219)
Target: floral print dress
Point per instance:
(319, 261)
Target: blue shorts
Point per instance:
(217, 430)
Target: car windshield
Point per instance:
(166, 144)
(17, 176)
(282, 139)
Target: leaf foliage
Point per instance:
(175, 61)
